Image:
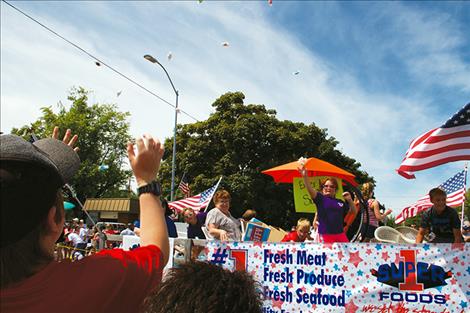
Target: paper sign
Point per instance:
(303, 202)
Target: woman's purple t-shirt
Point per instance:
(330, 214)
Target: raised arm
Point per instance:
(311, 191)
(145, 165)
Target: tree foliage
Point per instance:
(238, 141)
(103, 133)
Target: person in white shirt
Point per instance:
(129, 231)
(77, 243)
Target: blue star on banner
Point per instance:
(426, 247)
(463, 304)
(360, 273)
(378, 247)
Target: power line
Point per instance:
(100, 61)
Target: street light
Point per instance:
(173, 160)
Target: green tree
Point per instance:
(102, 131)
(238, 141)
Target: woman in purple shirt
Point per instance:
(330, 211)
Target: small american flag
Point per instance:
(448, 143)
(184, 186)
(454, 188)
(197, 202)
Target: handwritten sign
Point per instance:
(303, 202)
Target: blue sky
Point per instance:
(375, 74)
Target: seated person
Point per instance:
(220, 223)
(301, 232)
(205, 287)
(442, 220)
(195, 222)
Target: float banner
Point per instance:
(302, 201)
(354, 277)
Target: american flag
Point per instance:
(454, 188)
(197, 202)
(448, 143)
(184, 186)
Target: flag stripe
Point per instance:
(421, 138)
(437, 161)
(437, 145)
(444, 137)
(446, 148)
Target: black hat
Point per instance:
(30, 176)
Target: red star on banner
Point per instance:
(447, 297)
(455, 260)
(453, 281)
(256, 255)
(368, 251)
(340, 255)
(365, 290)
(385, 256)
(350, 307)
(345, 268)
(354, 258)
(258, 244)
(277, 304)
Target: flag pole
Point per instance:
(215, 190)
(465, 188)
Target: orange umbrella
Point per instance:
(315, 167)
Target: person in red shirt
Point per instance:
(301, 232)
(31, 177)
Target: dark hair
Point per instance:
(436, 192)
(20, 260)
(205, 288)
